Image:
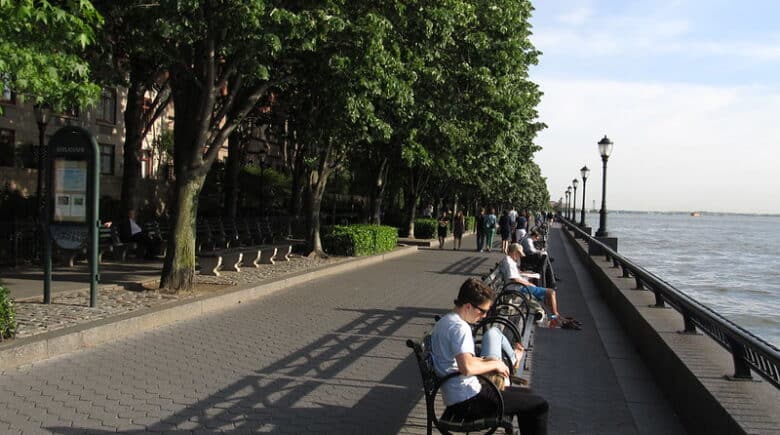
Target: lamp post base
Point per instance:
(611, 242)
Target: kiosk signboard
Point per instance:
(73, 181)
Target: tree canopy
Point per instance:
(42, 50)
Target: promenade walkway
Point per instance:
(329, 356)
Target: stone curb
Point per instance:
(48, 345)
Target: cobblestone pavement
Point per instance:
(328, 356)
(72, 308)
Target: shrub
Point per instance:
(425, 228)
(359, 240)
(470, 222)
(7, 314)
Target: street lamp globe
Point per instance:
(605, 147)
(585, 172)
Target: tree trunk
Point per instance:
(417, 180)
(315, 190)
(232, 171)
(179, 268)
(378, 193)
(134, 126)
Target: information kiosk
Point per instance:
(74, 192)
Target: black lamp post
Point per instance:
(263, 165)
(42, 119)
(568, 203)
(575, 182)
(605, 149)
(584, 172)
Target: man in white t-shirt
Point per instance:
(453, 351)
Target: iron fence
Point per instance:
(748, 351)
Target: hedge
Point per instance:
(7, 314)
(470, 220)
(425, 228)
(359, 240)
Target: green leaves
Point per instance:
(42, 45)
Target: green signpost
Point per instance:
(71, 218)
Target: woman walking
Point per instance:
(504, 228)
(442, 229)
(458, 228)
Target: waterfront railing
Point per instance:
(748, 351)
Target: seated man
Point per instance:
(539, 258)
(546, 295)
(130, 231)
(452, 349)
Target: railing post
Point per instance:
(741, 366)
(626, 272)
(659, 300)
(690, 327)
(640, 286)
(615, 263)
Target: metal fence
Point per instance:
(748, 351)
(18, 242)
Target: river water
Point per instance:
(730, 263)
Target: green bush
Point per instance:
(425, 228)
(470, 222)
(359, 240)
(7, 314)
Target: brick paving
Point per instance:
(70, 307)
(328, 356)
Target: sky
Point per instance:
(688, 91)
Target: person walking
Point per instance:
(504, 229)
(490, 228)
(458, 228)
(442, 228)
(479, 223)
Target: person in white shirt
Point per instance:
(548, 296)
(130, 231)
(453, 351)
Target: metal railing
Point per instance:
(748, 351)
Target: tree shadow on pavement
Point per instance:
(360, 378)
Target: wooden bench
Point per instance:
(432, 383)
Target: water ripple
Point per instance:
(729, 263)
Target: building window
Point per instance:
(7, 147)
(106, 109)
(107, 159)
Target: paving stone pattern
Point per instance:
(325, 357)
(72, 308)
(328, 356)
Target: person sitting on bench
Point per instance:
(545, 295)
(130, 231)
(538, 257)
(453, 351)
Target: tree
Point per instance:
(360, 63)
(42, 47)
(221, 58)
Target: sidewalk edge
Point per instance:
(48, 345)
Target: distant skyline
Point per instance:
(688, 91)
